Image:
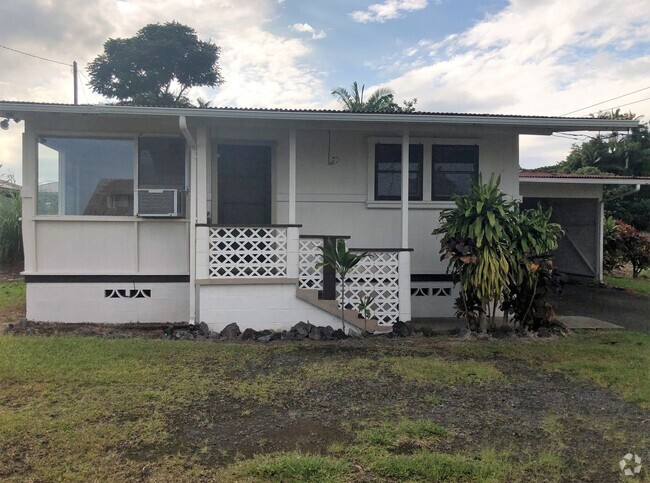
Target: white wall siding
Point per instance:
(87, 302)
(259, 307)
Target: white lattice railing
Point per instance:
(310, 254)
(376, 276)
(235, 252)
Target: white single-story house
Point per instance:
(152, 214)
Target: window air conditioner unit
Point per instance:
(161, 202)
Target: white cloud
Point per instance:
(260, 67)
(306, 28)
(538, 58)
(388, 10)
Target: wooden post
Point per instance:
(76, 83)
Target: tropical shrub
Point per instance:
(495, 252)
(11, 236)
(342, 260)
(624, 244)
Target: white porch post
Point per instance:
(182, 122)
(203, 158)
(29, 193)
(600, 241)
(292, 176)
(293, 241)
(405, 256)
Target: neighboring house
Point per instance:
(7, 188)
(217, 215)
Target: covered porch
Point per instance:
(252, 261)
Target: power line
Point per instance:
(603, 102)
(628, 104)
(35, 56)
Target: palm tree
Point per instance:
(382, 100)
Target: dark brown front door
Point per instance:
(244, 184)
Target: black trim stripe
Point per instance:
(107, 278)
(430, 277)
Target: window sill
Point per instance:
(413, 205)
(95, 218)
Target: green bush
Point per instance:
(500, 256)
(11, 237)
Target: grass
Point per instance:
(614, 359)
(290, 467)
(641, 284)
(440, 371)
(12, 296)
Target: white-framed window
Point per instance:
(388, 171)
(99, 176)
(438, 168)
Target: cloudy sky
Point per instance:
(542, 57)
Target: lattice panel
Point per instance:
(376, 276)
(310, 255)
(247, 252)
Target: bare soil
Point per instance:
(529, 412)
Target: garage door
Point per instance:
(577, 253)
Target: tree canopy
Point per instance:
(622, 154)
(156, 67)
(381, 100)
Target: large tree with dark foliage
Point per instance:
(156, 67)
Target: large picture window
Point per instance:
(85, 176)
(454, 169)
(388, 171)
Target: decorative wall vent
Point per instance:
(310, 254)
(431, 292)
(127, 293)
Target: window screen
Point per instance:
(388, 171)
(161, 163)
(454, 170)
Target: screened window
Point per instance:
(388, 171)
(454, 170)
(85, 176)
(161, 163)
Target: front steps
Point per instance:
(351, 316)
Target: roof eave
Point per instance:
(550, 124)
(600, 181)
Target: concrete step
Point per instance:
(351, 316)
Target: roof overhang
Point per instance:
(578, 180)
(521, 124)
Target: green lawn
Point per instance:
(641, 284)
(12, 296)
(92, 409)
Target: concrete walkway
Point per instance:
(582, 307)
(628, 310)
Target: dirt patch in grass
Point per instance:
(95, 409)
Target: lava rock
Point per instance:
(213, 334)
(402, 329)
(544, 332)
(230, 331)
(327, 333)
(249, 334)
(169, 331)
(265, 338)
(204, 330)
(316, 333)
(338, 334)
(302, 328)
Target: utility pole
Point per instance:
(76, 85)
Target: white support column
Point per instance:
(292, 176)
(405, 188)
(29, 193)
(203, 158)
(405, 256)
(293, 252)
(404, 280)
(600, 241)
(182, 121)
